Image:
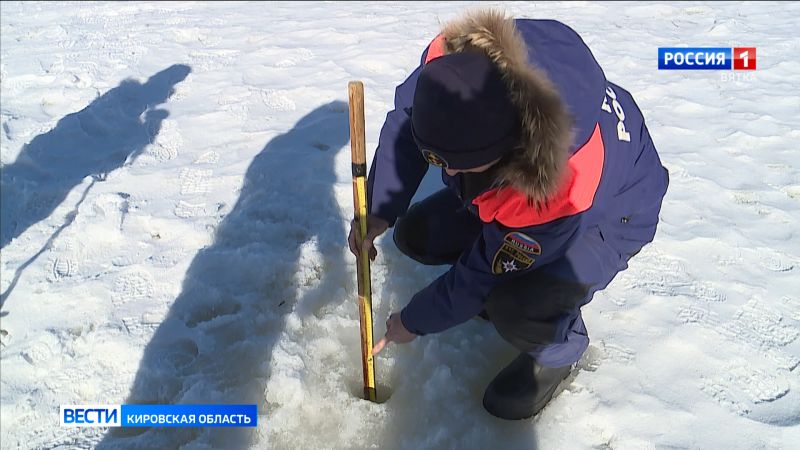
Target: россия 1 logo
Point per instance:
(707, 58)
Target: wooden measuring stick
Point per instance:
(359, 153)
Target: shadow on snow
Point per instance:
(109, 133)
(216, 343)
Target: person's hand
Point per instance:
(395, 332)
(375, 227)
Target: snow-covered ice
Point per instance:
(176, 192)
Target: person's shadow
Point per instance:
(112, 131)
(216, 343)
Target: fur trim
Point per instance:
(537, 167)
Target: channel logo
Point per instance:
(707, 58)
(158, 415)
(90, 415)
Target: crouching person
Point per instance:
(552, 184)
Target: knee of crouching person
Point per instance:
(509, 319)
(530, 312)
(406, 238)
(410, 237)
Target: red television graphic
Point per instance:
(744, 58)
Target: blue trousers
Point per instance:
(538, 313)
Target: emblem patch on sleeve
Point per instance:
(516, 253)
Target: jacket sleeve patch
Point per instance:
(510, 259)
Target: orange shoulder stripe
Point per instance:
(510, 207)
(435, 49)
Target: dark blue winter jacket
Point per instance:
(615, 183)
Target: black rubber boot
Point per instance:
(522, 389)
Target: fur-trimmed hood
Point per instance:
(530, 58)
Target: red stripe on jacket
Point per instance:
(435, 49)
(584, 169)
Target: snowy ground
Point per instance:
(179, 237)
